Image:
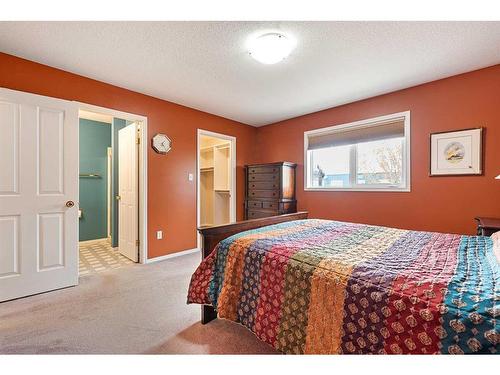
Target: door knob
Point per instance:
(70, 204)
(118, 197)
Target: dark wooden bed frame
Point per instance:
(211, 236)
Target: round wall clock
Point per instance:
(161, 143)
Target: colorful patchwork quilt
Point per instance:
(328, 287)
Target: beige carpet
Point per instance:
(134, 309)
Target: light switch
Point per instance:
(190, 177)
(159, 234)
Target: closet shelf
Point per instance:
(207, 149)
(215, 195)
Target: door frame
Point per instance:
(143, 169)
(109, 191)
(232, 202)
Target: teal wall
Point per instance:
(95, 138)
(116, 126)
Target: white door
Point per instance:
(38, 194)
(128, 207)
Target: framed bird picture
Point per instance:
(456, 153)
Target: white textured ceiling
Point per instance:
(205, 65)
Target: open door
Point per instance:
(128, 178)
(38, 194)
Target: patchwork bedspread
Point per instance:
(318, 286)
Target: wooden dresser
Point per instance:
(270, 189)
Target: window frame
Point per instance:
(406, 173)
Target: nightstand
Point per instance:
(486, 226)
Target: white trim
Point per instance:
(109, 198)
(143, 170)
(93, 116)
(232, 210)
(381, 189)
(363, 124)
(174, 255)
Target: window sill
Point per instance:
(380, 190)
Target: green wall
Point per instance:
(95, 138)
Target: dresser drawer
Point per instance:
(254, 204)
(264, 177)
(263, 185)
(265, 169)
(270, 205)
(256, 214)
(263, 194)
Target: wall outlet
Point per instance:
(190, 177)
(159, 234)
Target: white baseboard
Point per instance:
(174, 255)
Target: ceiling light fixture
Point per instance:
(270, 48)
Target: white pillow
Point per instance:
(496, 244)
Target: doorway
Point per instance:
(216, 179)
(39, 191)
(108, 192)
(112, 189)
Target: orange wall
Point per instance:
(171, 197)
(447, 204)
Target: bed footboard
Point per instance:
(211, 236)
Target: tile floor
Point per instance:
(98, 255)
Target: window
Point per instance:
(368, 155)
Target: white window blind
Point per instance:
(365, 133)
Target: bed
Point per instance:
(309, 286)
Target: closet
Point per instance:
(215, 181)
